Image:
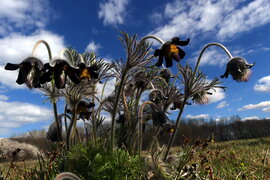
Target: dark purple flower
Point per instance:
(58, 71)
(170, 51)
(239, 69)
(31, 71)
(88, 73)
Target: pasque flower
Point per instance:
(170, 50)
(158, 116)
(88, 73)
(239, 69)
(31, 71)
(58, 70)
(166, 74)
(83, 109)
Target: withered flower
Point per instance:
(59, 70)
(31, 72)
(202, 97)
(88, 73)
(197, 86)
(239, 69)
(170, 50)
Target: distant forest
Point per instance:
(225, 129)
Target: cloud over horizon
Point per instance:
(225, 18)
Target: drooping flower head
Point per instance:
(239, 69)
(166, 74)
(170, 50)
(58, 70)
(31, 72)
(158, 115)
(83, 110)
(157, 96)
(88, 73)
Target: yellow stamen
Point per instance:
(65, 67)
(173, 49)
(85, 74)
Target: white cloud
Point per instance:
(17, 114)
(3, 97)
(250, 118)
(92, 47)
(217, 95)
(109, 88)
(113, 11)
(222, 105)
(225, 18)
(23, 14)
(17, 47)
(200, 116)
(212, 56)
(254, 14)
(263, 84)
(264, 105)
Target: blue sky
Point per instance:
(242, 26)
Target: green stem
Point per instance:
(140, 125)
(152, 37)
(177, 124)
(203, 50)
(123, 77)
(54, 103)
(73, 121)
(62, 53)
(186, 97)
(94, 127)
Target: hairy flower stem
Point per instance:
(140, 125)
(153, 139)
(94, 122)
(53, 102)
(73, 121)
(120, 88)
(186, 97)
(177, 124)
(203, 50)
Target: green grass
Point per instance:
(240, 159)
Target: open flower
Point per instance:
(31, 72)
(88, 73)
(239, 69)
(83, 110)
(170, 50)
(58, 70)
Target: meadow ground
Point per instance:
(239, 159)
